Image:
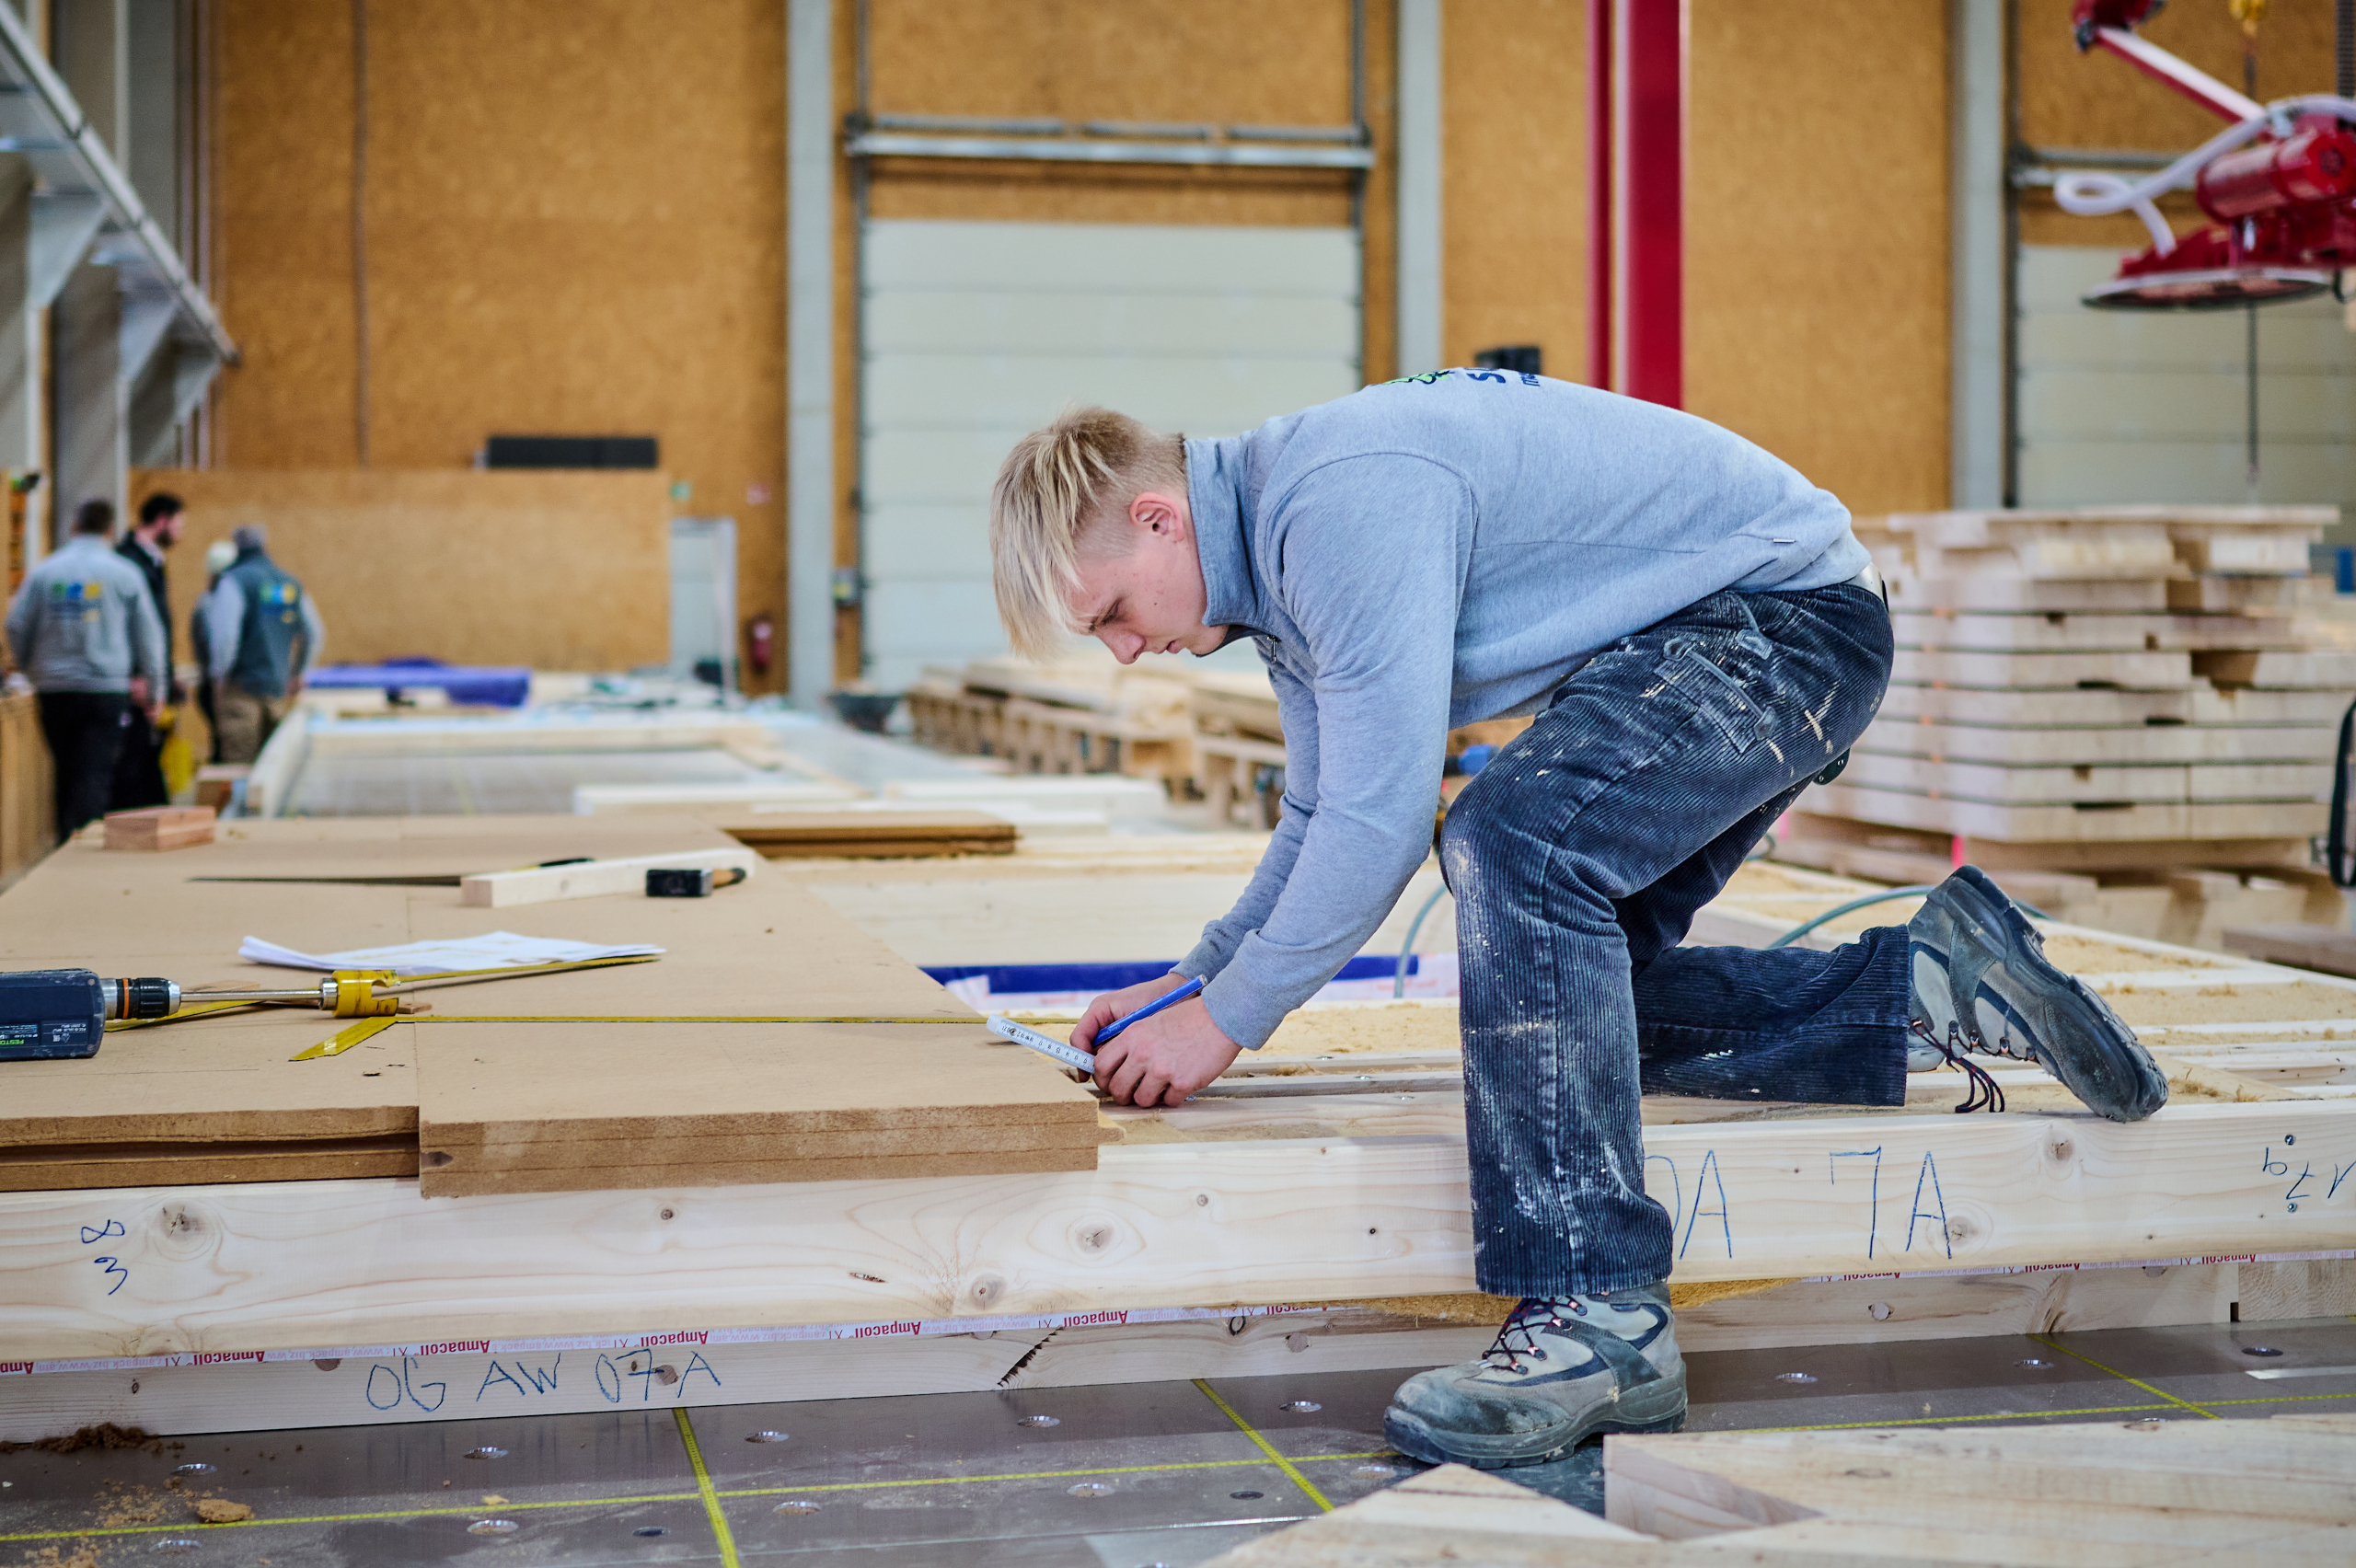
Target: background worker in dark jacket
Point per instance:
(82, 631)
(264, 632)
(139, 771)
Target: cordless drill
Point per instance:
(64, 1012)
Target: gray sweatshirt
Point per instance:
(83, 621)
(1434, 551)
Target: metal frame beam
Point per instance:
(809, 352)
(1422, 298)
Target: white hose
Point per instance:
(2093, 194)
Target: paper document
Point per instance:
(500, 949)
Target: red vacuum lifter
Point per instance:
(2279, 182)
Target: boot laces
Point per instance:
(1519, 1336)
(1959, 1043)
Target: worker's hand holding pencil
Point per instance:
(1179, 1051)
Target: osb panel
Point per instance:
(1513, 142)
(556, 571)
(550, 248)
(2068, 99)
(1221, 61)
(282, 130)
(1816, 246)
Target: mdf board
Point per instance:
(517, 1108)
(976, 333)
(551, 570)
(2152, 406)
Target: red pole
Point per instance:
(1601, 252)
(1651, 90)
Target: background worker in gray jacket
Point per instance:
(83, 629)
(264, 632)
(1698, 635)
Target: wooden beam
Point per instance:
(279, 1265)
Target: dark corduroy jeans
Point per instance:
(1578, 857)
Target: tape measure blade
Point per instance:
(344, 1041)
(1047, 1046)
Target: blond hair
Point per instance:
(1059, 496)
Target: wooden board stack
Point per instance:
(2114, 689)
(2117, 1493)
(1084, 715)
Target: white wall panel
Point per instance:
(973, 334)
(2151, 406)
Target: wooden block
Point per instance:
(2235, 594)
(870, 835)
(2052, 745)
(1912, 590)
(2275, 668)
(559, 1108)
(160, 827)
(2047, 708)
(216, 783)
(2255, 552)
(2056, 631)
(2320, 1287)
(594, 879)
(2147, 672)
(2330, 949)
(1948, 778)
(2061, 824)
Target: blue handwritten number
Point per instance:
(1873, 1212)
(2273, 1167)
(114, 1271)
(2338, 1173)
(394, 1392)
(111, 1228)
(2296, 1186)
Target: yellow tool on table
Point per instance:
(66, 1013)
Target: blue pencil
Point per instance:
(1169, 999)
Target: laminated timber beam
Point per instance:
(341, 1264)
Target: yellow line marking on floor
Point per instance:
(703, 1488)
(2156, 1394)
(690, 1496)
(1266, 1448)
(2033, 1414)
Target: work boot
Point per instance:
(1981, 985)
(1564, 1368)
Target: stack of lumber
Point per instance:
(2108, 694)
(1081, 715)
(773, 1042)
(2122, 1492)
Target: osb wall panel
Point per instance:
(282, 147)
(575, 224)
(2095, 100)
(556, 571)
(1513, 148)
(1816, 240)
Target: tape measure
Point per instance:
(1070, 1056)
